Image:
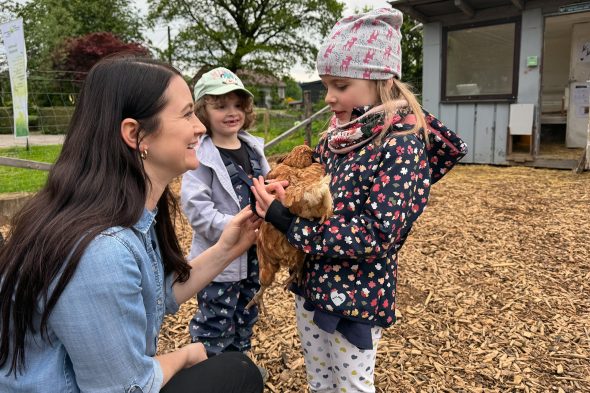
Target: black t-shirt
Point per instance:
(239, 157)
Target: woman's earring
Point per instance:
(144, 154)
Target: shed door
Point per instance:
(579, 86)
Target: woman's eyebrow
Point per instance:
(187, 107)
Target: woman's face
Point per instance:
(345, 94)
(172, 149)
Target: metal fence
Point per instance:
(52, 96)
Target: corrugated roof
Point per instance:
(432, 10)
(464, 11)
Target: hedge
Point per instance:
(7, 121)
(54, 119)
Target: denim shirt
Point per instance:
(104, 328)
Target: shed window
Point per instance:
(481, 62)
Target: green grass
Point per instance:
(281, 121)
(26, 180)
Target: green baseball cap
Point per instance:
(218, 81)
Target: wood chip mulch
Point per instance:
(493, 293)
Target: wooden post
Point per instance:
(307, 107)
(587, 165)
(266, 122)
(584, 163)
(169, 48)
(291, 130)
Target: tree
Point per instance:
(47, 23)
(412, 53)
(267, 36)
(292, 88)
(81, 53)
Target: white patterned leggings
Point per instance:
(332, 363)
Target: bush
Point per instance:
(54, 119)
(6, 120)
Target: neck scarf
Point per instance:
(367, 122)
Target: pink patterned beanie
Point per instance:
(364, 46)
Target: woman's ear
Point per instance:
(130, 132)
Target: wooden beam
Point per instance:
(18, 163)
(518, 4)
(482, 15)
(411, 11)
(466, 8)
(297, 127)
(412, 3)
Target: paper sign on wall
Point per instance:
(584, 54)
(581, 95)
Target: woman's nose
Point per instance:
(199, 127)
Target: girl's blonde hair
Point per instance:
(246, 102)
(390, 97)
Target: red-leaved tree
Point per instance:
(79, 54)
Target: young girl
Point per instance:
(92, 262)
(211, 196)
(377, 153)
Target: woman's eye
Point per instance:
(189, 114)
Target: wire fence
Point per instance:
(51, 97)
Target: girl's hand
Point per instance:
(240, 233)
(195, 353)
(265, 194)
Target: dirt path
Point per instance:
(35, 139)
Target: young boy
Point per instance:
(211, 195)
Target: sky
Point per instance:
(298, 72)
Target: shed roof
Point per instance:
(453, 12)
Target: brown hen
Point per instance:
(308, 196)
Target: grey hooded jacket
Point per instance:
(209, 201)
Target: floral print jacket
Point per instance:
(379, 190)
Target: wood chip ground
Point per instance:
(493, 293)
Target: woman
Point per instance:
(92, 262)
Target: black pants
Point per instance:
(225, 373)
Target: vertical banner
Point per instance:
(14, 44)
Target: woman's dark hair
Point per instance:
(97, 182)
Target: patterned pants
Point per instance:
(222, 322)
(332, 363)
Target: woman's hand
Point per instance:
(237, 237)
(240, 233)
(187, 356)
(195, 353)
(265, 194)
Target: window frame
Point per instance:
(509, 97)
